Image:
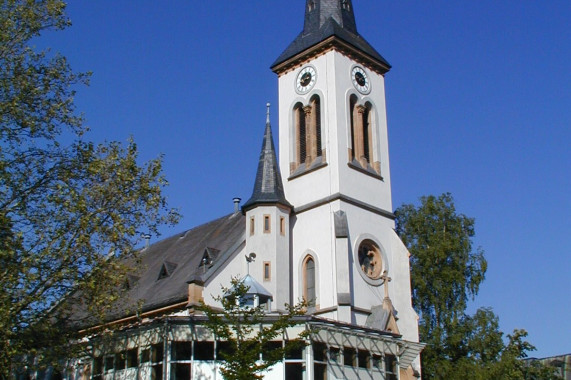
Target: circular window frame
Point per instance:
(369, 239)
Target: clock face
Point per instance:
(360, 80)
(305, 79)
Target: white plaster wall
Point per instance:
(322, 182)
(312, 233)
(272, 247)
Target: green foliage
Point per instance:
(446, 271)
(248, 332)
(68, 207)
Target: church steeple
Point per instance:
(318, 12)
(329, 23)
(268, 188)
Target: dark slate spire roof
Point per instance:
(268, 188)
(325, 19)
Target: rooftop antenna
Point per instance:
(250, 259)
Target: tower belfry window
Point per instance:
(308, 134)
(362, 150)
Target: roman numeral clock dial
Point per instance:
(360, 80)
(305, 79)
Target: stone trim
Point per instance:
(347, 199)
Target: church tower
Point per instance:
(334, 161)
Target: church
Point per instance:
(318, 226)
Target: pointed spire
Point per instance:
(317, 12)
(325, 19)
(268, 188)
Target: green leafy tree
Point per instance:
(68, 207)
(446, 272)
(248, 333)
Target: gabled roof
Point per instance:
(325, 19)
(181, 256)
(268, 188)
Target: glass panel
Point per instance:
(180, 371)
(98, 366)
(295, 353)
(294, 371)
(364, 359)
(157, 372)
(302, 136)
(377, 362)
(320, 371)
(181, 350)
(120, 361)
(223, 350)
(157, 353)
(204, 350)
(310, 280)
(391, 367)
(334, 354)
(317, 110)
(146, 355)
(108, 363)
(320, 352)
(132, 361)
(271, 347)
(349, 356)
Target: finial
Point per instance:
(268, 113)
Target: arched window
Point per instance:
(309, 293)
(362, 148)
(316, 123)
(300, 134)
(308, 140)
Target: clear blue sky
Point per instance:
(479, 105)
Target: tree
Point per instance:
(248, 333)
(68, 208)
(446, 271)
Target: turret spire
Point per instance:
(268, 188)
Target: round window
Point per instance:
(370, 259)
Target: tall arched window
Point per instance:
(300, 133)
(308, 141)
(309, 293)
(362, 150)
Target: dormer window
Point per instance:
(166, 270)
(345, 5)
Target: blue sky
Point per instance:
(479, 105)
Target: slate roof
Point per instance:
(268, 188)
(181, 255)
(222, 236)
(328, 18)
